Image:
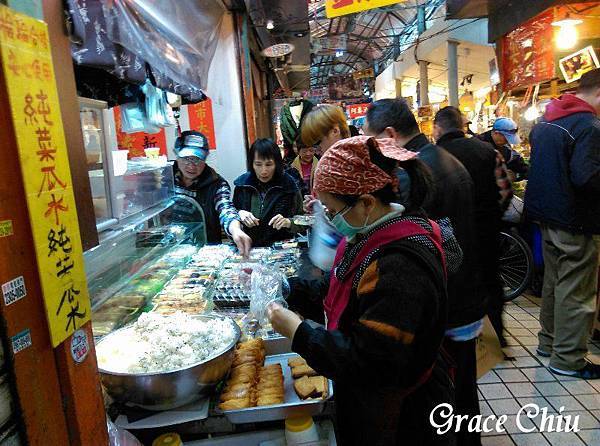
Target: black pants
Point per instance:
(490, 251)
(465, 383)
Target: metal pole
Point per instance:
(423, 83)
(453, 73)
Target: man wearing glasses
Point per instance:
(212, 192)
(503, 135)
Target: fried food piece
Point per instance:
(272, 368)
(252, 343)
(236, 394)
(245, 359)
(296, 361)
(269, 400)
(269, 384)
(270, 391)
(237, 386)
(321, 384)
(304, 387)
(303, 370)
(241, 379)
(245, 369)
(241, 403)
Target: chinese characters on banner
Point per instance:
(201, 119)
(136, 143)
(527, 53)
(357, 110)
(33, 96)
(335, 8)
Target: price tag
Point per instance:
(14, 290)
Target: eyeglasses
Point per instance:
(330, 215)
(190, 160)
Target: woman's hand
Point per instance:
(279, 222)
(248, 219)
(284, 321)
(307, 204)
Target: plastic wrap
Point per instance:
(177, 38)
(267, 285)
(120, 437)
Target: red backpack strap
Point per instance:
(438, 242)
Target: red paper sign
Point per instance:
(136, 143)
(357, 110)
(527, 53)
(201, 120)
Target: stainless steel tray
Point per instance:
(293, 405)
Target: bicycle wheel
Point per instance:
(515, 265)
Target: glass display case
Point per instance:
(135, 260)
(91, 114)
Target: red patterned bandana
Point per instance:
(346, 168)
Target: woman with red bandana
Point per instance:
(386, 304)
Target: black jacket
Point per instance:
(479, 158)
(452, 197)
(514, 161)
(563, 190)
(282, 196)
(204, 190)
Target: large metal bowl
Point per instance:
(165, 391)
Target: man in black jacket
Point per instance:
(563, 194)
(479, 158)
(452, 197)
(503, 135)
(195, 179)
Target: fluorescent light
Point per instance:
(270, 24)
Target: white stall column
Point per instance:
(453, 73)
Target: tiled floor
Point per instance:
(513, 384)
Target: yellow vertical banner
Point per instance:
(336, 8)
(33, 95)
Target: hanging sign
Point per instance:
(364, 74)
(201, 119)
(357, 110)
(575, 65)
(336, 8)
(33, 97)
(138, 142)
(528, 54)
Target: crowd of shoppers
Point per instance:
(417, 267)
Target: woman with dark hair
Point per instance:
(386, 304)
(266, 196)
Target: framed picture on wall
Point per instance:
(577, 64)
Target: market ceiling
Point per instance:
(373, 38)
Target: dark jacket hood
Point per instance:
(567, 105)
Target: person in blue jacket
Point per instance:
(563, 195)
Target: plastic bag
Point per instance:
(134, 119)
(177, 38)
(266, 285)
(324, 240)
(120, 437)
(514, 213)
(156, 106)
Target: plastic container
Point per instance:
(300, 430)
(171, 439)
(152, 152)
